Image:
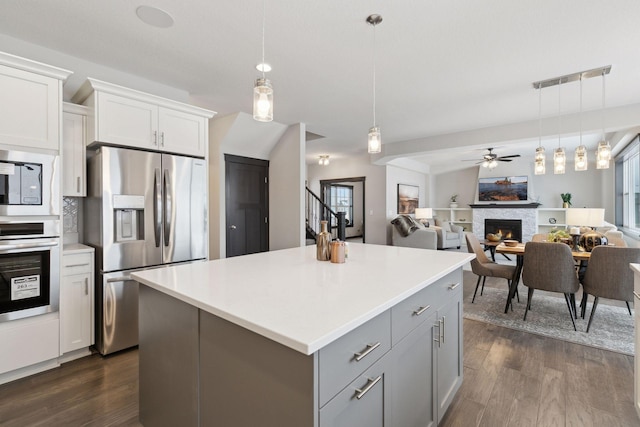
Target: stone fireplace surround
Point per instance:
(525, 212)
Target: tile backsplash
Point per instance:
(70, 215)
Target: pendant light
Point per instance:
(539, 167)
(603, 155)
(262, 90)
(374, 138)
(559, 158)
(580, 159)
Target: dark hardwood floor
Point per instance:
(511, 378)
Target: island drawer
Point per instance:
(77, 263)
(408, 314)
(349, 356)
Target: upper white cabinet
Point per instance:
(31, 103)
(131, 118)
(74, 136)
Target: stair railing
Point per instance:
(316, 210)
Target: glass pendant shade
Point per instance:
(540, 167)
(559, 161)
(263, 100)
(603, 155)
(581, 158)
(375, 140)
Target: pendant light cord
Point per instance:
(580, 110)
(264, 13)
(602, 118)
(559, 113)
(540, 116)
(374, 75)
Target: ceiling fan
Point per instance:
(490, 160)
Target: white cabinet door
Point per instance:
(76, 300)
(182, 132)
(127, 122)
(29, 109)
(73, 151)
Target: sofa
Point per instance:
(406, 232)
(449, 235)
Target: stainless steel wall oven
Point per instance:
(29, 268)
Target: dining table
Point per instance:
(518, 250)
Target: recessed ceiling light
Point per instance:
(263, 67)
(154, 16)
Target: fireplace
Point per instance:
(509, 228)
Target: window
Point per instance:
(341, 200)
(628, 186)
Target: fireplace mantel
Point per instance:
(506, 206)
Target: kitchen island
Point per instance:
(281, 339)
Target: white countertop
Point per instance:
(295, 300)
(75, 248)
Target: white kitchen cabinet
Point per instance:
(74, 132)
(77, 299)
(130, 118)
(30, 106)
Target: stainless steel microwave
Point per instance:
(29, 183)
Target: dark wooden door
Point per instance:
(247, 205)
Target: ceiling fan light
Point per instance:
(375, 140)
(580, 158)
(559, 161)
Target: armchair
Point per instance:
(449, 235)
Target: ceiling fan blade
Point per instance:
(506, 157)
(501, 159)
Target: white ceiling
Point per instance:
(457, 70)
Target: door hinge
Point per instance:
(265, 220)
(265, 180)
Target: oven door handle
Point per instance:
(4, 247)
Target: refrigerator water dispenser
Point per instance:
(129, 217)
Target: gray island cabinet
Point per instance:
(280, 339)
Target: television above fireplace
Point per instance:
(503, 189)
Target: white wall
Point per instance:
(286, 190)
(395, 176)
(592, 188)
(375, 185)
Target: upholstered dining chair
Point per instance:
(608, 276)
(539, 237)
(483, 267)
(549, 267)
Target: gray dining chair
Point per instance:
(608, 276)
(549, 267)
(483, 267)
(539, 237)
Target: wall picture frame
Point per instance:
(408, 198)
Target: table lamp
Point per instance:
(423, 215)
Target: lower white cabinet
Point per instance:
(77, 301)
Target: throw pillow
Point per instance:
(405, 225)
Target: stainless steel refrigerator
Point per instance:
(143, 210)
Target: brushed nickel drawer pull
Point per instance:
(443, 329)
(369, 349)
(86, 286)
(637, 295)
(370, 383)
(452, 287)
(438, 325)
(76, 265)
(421, 310)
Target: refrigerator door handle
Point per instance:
(168, 199)
(157, 206)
